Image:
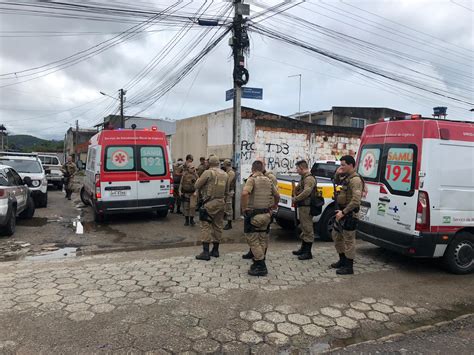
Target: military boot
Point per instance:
(187, 221)
(191, 221)
(299, 251)
(340, 263)
(306, 254)
(347, 269)
(249, 255)
(205, 253)
(228, 225)
(215, 250)
(260, 269)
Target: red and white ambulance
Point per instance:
(419, 201)
(127, 170)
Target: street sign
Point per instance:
(247, 93)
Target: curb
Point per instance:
(396, 336)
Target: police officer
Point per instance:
(202, 166)
(348, 203)
(187, 195)
(258, 197)
(69, 169)
(229, 213)
(302, 200)
(272, 177)
(214, 187)
(178, 170)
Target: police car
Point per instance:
(29, 165)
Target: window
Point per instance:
(16, 177)
(23, 166)
(152, 160)
(55, 161)
(320, 121)
(4, 178)
(369, 162)
(119, 158)
(46, 160)
(324, 170)
(358, 122)
(400, 166)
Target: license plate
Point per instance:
(118, 193)
(364, 213)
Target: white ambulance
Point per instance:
(419, 176)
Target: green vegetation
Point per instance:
(27, 143)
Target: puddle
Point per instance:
(61, 253)
(33, 222)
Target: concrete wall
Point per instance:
(219, 134)
(190, 138)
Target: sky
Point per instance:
(426, 46)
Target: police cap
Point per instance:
(214, 160)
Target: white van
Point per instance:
(127, 171)
(419, 176)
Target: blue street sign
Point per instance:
(247, 93)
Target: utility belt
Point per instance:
(248, 215)
(304, 203)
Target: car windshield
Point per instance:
(324, 170)
(23, 166)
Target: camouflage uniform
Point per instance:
(271, 176)
(348, 200)
(303, 202)
(229, 213)
(200, 169)
(69, 169)
(178, 170)
(187, 193)
(262, 193)
(214, 186)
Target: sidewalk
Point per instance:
(165, 301)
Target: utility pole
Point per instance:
(76, 149)
(122, 93)
(2, 132)
(299, 96)
(239, 42)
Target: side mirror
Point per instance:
(27, 181)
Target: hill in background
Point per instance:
(27, 143)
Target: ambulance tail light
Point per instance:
(171, 188)
(423, 212)
(98, 194)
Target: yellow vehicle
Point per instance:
(324, 171)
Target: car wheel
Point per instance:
(285, 224)
(99, 217)
(42, 200)
(459, 256)
(325, 224)
(10, 227)
(162, 213)
(83, 194)
(29, 212)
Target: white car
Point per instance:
(52, 166)
(27, 164)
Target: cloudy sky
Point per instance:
(409, 55)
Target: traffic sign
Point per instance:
(247, 93)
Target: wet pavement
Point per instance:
(166, 301)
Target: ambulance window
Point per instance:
(400, 168)
(369, 162)
(152, 160)
(119, 158)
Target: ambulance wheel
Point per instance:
(162, 213)
(459, 257)
(326, 223)
(83, 194)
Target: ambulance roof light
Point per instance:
(154, 128)
(415, 117)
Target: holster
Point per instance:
(204, 215)
(350, 222)
(248, 226)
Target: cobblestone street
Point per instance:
(165, 303)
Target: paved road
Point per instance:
(452, 338)
(165, 301)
